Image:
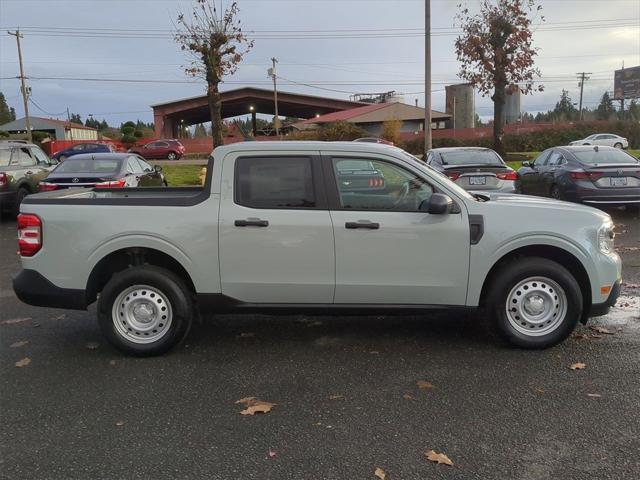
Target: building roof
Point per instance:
(376, 113)
(19, 124)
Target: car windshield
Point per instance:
(604, 156)
(470, 157)
(88, 165)
(5, 156)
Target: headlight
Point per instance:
(606, 238)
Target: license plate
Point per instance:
(619, 182)
(477, 180)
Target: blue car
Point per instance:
(82, 148)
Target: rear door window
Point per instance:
(22, 157)
(542, 159)
(274, 182)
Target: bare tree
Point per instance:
(496, 52)
(217, 44)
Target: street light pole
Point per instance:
(427, 76)
(25, 92)
(272, 73)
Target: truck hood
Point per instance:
(530, 201)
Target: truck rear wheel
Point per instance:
(145, 310)
(535, 303)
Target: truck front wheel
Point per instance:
(145, 310)
(534, 303)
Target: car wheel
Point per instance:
(145, 310)
(618, 145)
(555, 192)
(535, 303)
(62, 158)
(20, 195)
(172, 156)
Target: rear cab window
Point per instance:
(275, 182)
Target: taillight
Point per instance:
(29, 234)
(4, 179)
(376, 182)
(581, 175)
(47, 186)
(453, 175)
(510, 175)
(112, 184)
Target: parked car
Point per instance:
(473, 168)
(358, 176)
(270, 231)
(373, 140)
(79, 148)
(103, 170)
(604, 139)
(169, 149)
(22, 166)
(593, 175)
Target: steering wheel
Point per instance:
(404, 193)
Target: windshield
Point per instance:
(441, 177)
(5, 156)
(604, 156)
(470, 157)
(591, 137)
(88, 165)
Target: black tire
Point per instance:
(535, 271)
(618, 145)
(20, 195)
(172, 156)
(178, 301)
(555, 192)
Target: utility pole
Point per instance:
(272, 74)
(69, 120)
(427, 76)
(25, 91)
(582, 76)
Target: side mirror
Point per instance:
(157, 168)
(438, 204)
(526, 163)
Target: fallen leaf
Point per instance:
(380, 473)
(272, 454)
(247, 334)
(581, 336)
(119, 423)
(594, 395)
(336, 397)
(92, 345)
(35, 325)
(19, 344)
(406, 396)
(112, 362)
(253, 406)
(314, 324)
(12, 321)
(424, 385)
(540, 391)
(578, 366)
(60, 317)
(438, 458)
(23, 363)
(595, 335)
(599, 329)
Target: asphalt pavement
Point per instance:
(346, 394)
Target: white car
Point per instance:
(606, 139)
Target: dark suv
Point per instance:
(79, 148)
(170, 149)
(22, 166)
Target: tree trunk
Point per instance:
(215, 111)
(499, 100)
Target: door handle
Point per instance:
(254, 222)
(363, 224)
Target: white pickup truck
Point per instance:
(332, 228)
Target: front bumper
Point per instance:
(599, 309)
(34, 289)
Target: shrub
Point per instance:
(341, 131)
(391, 130)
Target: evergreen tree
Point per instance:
(634, 110)
(564, 109)
(605, 110)
(5, 112)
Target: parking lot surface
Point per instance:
(346, 393)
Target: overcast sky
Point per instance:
(579, 35)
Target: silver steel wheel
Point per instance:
(171, 156)
(536, 306)
(142, 314)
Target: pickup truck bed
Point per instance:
(276, 229)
